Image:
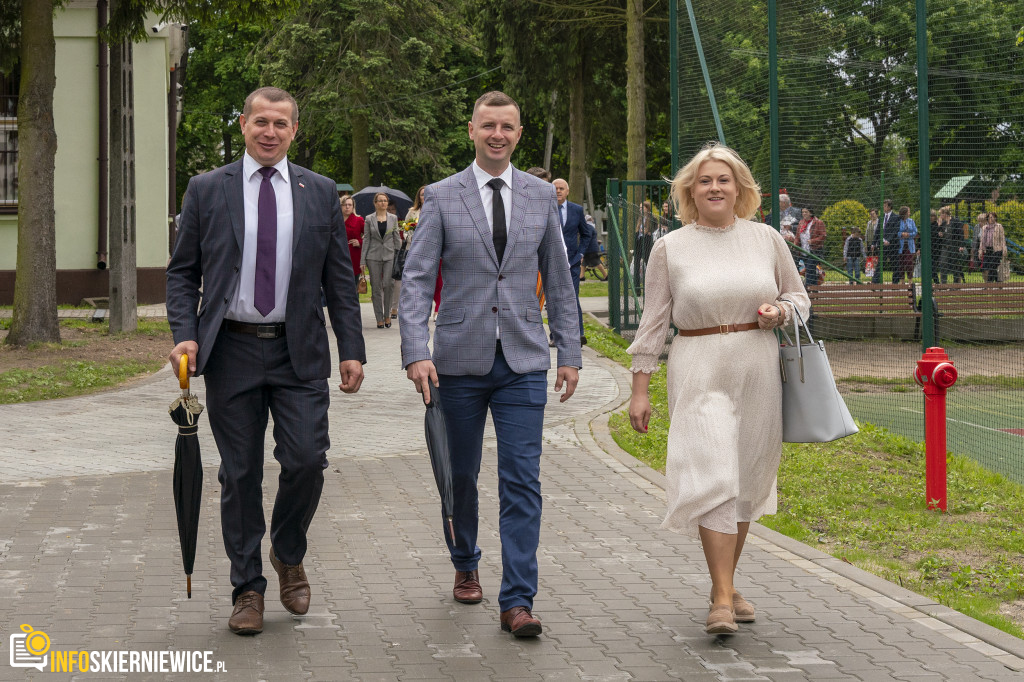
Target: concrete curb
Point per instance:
(998, 645)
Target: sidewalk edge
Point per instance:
(596, 435)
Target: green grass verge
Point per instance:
(861, 499)
(77, 377)
(68, 379)
(593, 287)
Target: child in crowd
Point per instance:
(853, 252)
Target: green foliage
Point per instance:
(219, 74)
(398, 64)
(839, 219)
(1011, 216)
(68, 379)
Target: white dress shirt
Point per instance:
(487, 194)
(487, 199)
(241, 307)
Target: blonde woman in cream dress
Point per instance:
(719, 273)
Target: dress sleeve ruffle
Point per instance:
(649, 343)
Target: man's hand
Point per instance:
(190, 348)
(570, 376)
(422, 373)
(351, 376)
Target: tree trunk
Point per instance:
(35, 283)
(360, 151)
(577, 128)
(636, 133)
(549, 134)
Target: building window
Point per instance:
(9, 143)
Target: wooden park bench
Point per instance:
(988, 299)
(989, 311)
(864, 310)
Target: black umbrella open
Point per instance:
(364, 200)
(440, 457)
(188, 470)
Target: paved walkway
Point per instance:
(90, 556)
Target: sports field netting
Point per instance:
(848, 140)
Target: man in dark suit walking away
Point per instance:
(261, 237)
(575, 233)
(495, 227)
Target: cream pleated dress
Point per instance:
(724, 390)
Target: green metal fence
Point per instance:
(837, 104)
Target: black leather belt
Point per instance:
(262, 331)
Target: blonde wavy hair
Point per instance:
(749, 195)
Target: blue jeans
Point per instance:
(853, 269)
(516, 402)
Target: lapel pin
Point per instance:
(302, 186)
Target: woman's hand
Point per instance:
(353, 242)
(639, 412)
(769, 316)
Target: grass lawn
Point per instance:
(861, 499)
(88, 360)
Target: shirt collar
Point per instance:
(250, 166)
(483, 177)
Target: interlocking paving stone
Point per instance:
(91, 556)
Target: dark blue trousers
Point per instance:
(575, 272)
(248, 378)
(516, 402)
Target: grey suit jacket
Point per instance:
(379, 248)
(208, 254)
(480, 295)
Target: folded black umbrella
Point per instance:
(188, 470)
(440, 457)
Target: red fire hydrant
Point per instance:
(935, 372)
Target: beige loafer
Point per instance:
(721, 621)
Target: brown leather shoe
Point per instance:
(467, 588)
(520, 622)
(247, 616)
(294, 586)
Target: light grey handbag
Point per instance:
(812, 409)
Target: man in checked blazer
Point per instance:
(258, 240)
(494, 227)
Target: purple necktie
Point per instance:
(266, 243)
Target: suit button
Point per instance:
(494, 310)
(225, 300)
(236, 268)
(501, 277)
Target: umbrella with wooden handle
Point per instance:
(188, 470)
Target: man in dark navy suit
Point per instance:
(258, 241)
(575, 233)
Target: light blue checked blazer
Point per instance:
(478, 295)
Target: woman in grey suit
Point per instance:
(381, 239)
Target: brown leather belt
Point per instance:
(720, 329)
(262, 331)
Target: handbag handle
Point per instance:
(798, 321)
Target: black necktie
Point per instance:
(500, 236)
